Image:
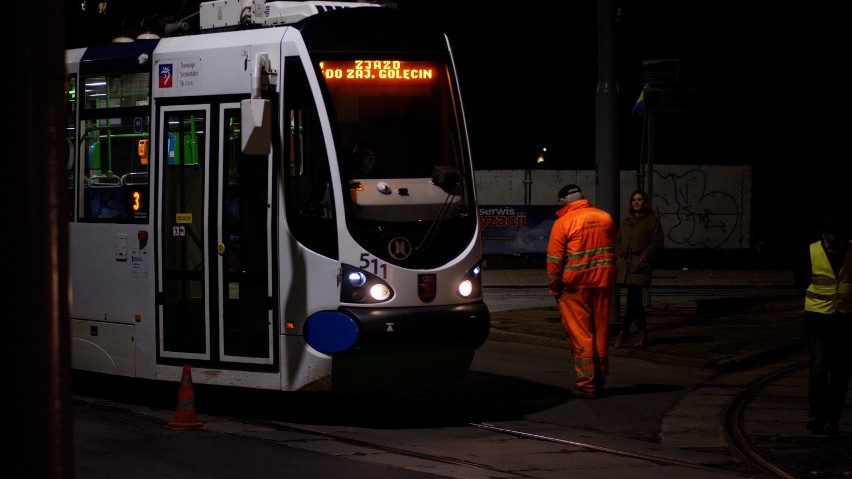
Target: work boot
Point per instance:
(642, 341)
(621, 340)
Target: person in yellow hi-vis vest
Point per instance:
(581, 275)
(824, 275)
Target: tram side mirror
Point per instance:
(256, 126)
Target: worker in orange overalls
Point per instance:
(581, 275)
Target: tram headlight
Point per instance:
(380, 292)
(357, 279)
(465, 288)
(360, 286)
(471, 284)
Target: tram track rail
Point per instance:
(740, 443)
(753, 464)
(750, 457)
(307, 436)
(733, 419)
(441, 438)
(787, 451)
(609, 450)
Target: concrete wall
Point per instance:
(700, 206)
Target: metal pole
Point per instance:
(650, 177)
(606, 125)
(39, 381)
(650, 172)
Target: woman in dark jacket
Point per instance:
(639, 239)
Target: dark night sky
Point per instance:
(768, 80)
(765, 75)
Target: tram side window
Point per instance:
(183, 205)
(309, 198)
(70, 131)
(114, 149)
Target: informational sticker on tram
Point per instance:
(140, 263)
(185, 218)
(179, 74)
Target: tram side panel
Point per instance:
(111, 260)
(220, 67)
(112, 297)
(308, 276)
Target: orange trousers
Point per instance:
(585, 316)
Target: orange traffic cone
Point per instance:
(185, 415)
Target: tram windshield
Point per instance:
(398, 140)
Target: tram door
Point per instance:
(214, 290)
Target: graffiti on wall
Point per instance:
(696, 211)
(700, 207)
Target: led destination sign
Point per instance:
(377, 70)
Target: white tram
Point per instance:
(216, 220)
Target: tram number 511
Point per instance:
(372, 265)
